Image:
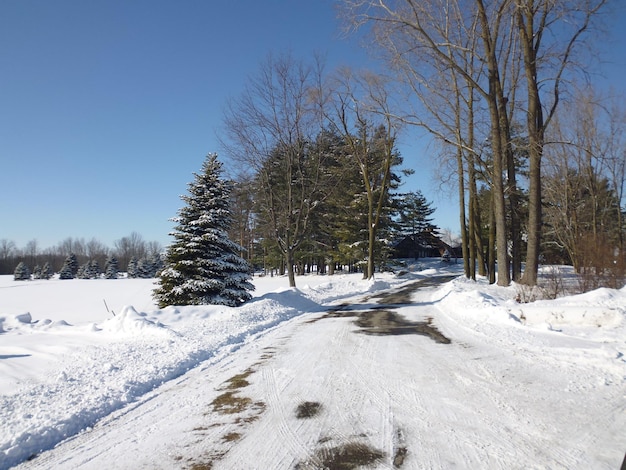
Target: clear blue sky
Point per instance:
(107, 107)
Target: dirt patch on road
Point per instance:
(387, 322)
(383, 320)
(402, 295)
(344, 457)
(308, 409)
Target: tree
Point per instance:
(72, 262)
(270, 128)
(364, 118)
(132, 270)
(37, 272)
(7, 252)
(89, 270)
(46, 271)
(111, 268)
(126, 248)
(414, 213)
(582, 188)
(202, 265)
(538, 21)
(22, 273)
(483, 49)
(67, 271)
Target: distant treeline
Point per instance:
(127, 250)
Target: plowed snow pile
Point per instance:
(299, 378)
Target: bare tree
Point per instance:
(270, 128)
(583, 184)
(546, 62)
(429, 39)
(424, 38)
(31, 250)
(132, 246)
(7, 252)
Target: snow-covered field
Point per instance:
(279, 383)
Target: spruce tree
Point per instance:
(21, 273)
(37, 272)
(83, 271)
(202, 265)
(46, 271)
(94, 269)
(111, 268)
(66, 270)
(72, 262)
(132, 271)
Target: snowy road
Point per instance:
(317, 391)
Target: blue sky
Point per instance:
(108, 107)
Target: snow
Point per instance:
(94, 375)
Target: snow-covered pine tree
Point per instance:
(111, 268)
(156, 264)
(21, 273)
(144, 269)
(132, 270)
(72, 262)
(66, 270)
(94, 269)
(46, 271)
(202, 265)
(37, 272)
(83, 271)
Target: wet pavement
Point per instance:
(383, 320)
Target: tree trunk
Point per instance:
(492, 242)
(496, 107)
(289, 261)
(535, 125)
(464, 237)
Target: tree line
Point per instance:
(131, 254)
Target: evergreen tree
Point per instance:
(413, 214)
(94, 269)
(37, 272)
(89, 270)
(133, 268)
(66, 271)
(83, 271)
(156, 264)
(22, 273)
(73, 266)
(46, 271)
(144, 270)
(202, 265)
(111, 268)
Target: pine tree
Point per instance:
(83, 271)
(111, 268)
(413, 214)
(132, 270)
(156, 264)
(72, 262)
(66, 270)
(94, 269)
(202, 265)
(37, 272)
(46, 271)
(22, 273)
